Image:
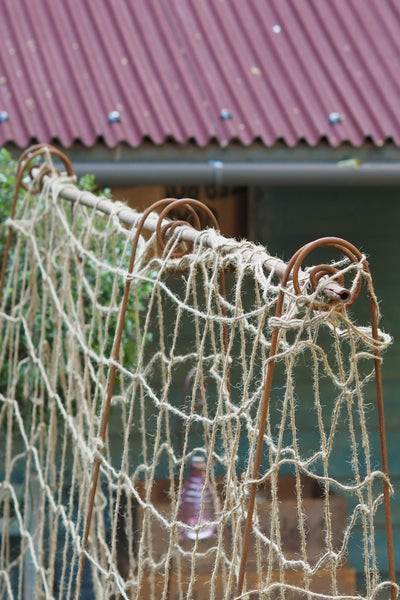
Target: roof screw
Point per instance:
(216, 164)
(335, 117)
(225, 114)
(3, 116)
(114, 116)
(276, 28)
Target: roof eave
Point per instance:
(218, 172)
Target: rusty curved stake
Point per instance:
(25, 162)
(294, 265)
(166, 205)
(383, 448)
(319, 271)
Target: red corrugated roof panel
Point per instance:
(184, 70)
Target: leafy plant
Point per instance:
(85, 269)
(8, 180)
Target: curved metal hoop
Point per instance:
(167, 229)
(25, 162)
(319, 271)
(316, 274)
(163, 230)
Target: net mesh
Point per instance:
(189, 380)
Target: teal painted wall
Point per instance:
(285, 219)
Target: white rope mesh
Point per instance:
(60, 307)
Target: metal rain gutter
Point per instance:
(216, 172)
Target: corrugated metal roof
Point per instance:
(191, 70)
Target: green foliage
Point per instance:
(8, 180)
(110, 291)
(87, 183)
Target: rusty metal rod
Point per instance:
(383, 450)
(164, 205)
(293, 268)
(332, 290)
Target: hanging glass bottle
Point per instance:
(199, 505)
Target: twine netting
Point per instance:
(189, 380)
